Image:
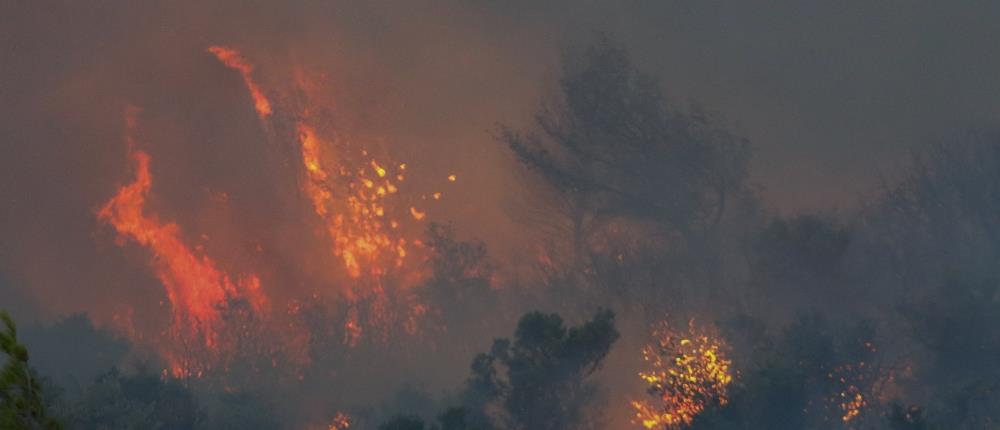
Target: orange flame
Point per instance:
(356, 199)
(358, 223)
(194, 284)
(232, 59)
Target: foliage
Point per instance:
(459, 289)
(815, 375)
(450, 419)
(610, 146)
(538, 381)
(240, 411)
(73, 351)
(142, 400)
(22, 403)
(403, 422)
(959, 326)
(941, 218)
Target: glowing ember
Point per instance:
(340, 422)
(347, 194)
(417, 215)
(194, 284)
(689, 372)
(358, 201)
(358, 223)
(234, 60)
(852, 402)
(856, 385)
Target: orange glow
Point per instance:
(357, 200)
(340, 422)
(851, 404)
(195, 286)
(689, 371)
(232, 59)
(850, 401)
(452, 178)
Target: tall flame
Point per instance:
(234, 60)
(195, 286)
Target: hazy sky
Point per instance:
(831, 94)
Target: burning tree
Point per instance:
(690, 371)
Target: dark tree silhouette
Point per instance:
(403, 422)
(810, 376)
(142, 400)
(959, 325)
(540, 379)
(909, 418)
(450, 419)
(459, 288)
(73, 351)
(611, 146)
(941, 218)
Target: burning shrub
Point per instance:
(690, 371)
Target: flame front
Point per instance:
(689, 372)
(195, 286)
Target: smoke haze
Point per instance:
(834, 100)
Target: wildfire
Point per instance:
(358, 202)
(234, 60)
(340, 422)
(851, 400)
(356, 198)
(689, 372)
(349, 195)
(195, 286)
(856, 385)
(851, 404)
